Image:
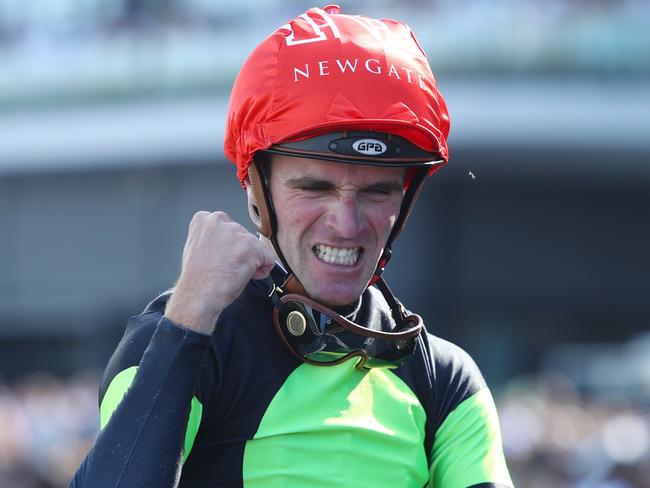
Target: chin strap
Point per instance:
(381, 265)
(264, 217)
(397, 310)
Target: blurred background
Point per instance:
(530, 249)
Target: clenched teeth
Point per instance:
(337, 255)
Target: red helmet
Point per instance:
(337, 87)
(329, 72)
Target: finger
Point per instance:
(263, 271)
(267, 262)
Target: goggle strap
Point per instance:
(396, 308)
(411, 195)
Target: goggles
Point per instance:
(320, 336)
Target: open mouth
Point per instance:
(337, 255)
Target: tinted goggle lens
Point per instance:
(318, 335)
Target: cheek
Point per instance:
(382, 218)
(295, 218)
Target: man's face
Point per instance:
(333, 222)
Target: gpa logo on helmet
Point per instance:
(369, 147)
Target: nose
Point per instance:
(346, 217)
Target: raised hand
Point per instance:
(219, 258)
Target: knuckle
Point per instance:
(198, 216)
(219, 215)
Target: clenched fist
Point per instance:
(219, 258)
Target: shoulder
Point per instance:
(438, 368)
(443, 375)
(137, 336)
(467, 446)
(451, 363)
(462, 433)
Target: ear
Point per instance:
(253, 204)
(257, 208)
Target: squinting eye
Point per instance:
(315, 188)
(384, 192)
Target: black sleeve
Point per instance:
(467, 447)
(141, 446)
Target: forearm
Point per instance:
(142, 443)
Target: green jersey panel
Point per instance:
(116, 391)
(336, 426)
(467, 450)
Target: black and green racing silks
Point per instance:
(257, 417)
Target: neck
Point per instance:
(348, 311)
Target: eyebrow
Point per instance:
(313, 182)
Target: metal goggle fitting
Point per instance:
(320, 336)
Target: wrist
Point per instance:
(192, 313)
